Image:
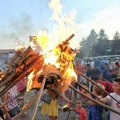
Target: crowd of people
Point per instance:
(106, 77)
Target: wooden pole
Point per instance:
(26, 106)
(86, 89)
(95, 101)
(39, 95)
(78, 72)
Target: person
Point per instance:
(80, 68)
(83, 99)
(21, 88)
(117, 63)
(1, 112)
(10, 102)
(96, 77)
(107, 73)
(108, 100)
(51, 108)
(95, 111)
(89, 70)
(80, 111)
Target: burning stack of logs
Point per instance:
(20, 67)
(47, 76)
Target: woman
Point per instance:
(10, 101)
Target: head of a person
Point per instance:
(116, 85)
(95, 75)
(117, 63)
(88, 66)
(78, 104)
(107, 66)
(97, 90)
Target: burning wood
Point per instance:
(60, 72)
(55, 76)
(22, 66)
(33, 64)
(28, 61)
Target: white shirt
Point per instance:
(114, 105)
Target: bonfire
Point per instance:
(53, 70)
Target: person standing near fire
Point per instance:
(80, 68)
(10, 101)
(117, 63)
(51, 109)
(80, 111)
(108, 100)
(95, 111)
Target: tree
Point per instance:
(116, 36)
(88, 43)
(102, 35)
(92, 38)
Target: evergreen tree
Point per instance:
(116, 36)
(102, 35)
(88, 43)
(92, 38)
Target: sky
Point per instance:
(59, 18)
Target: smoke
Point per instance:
(18, 30)
(65, 23)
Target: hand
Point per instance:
(99, 98)
(2, 105)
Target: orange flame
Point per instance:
(30, 82)
(61, 57)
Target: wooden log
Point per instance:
(22, 74)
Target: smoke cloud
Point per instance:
(18, 30)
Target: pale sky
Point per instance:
(23, 18)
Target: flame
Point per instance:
(70, 75)
(66, 23)
(52, 56)
(30, 80)
(61, 57)
(42, 40)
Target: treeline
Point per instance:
(96, 44)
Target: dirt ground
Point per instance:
(69, 115)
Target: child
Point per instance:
(80, 111)
(95, 111)
(82, 98)
(112, 102)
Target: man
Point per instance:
(96, 77)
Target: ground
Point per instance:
(62, 115)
